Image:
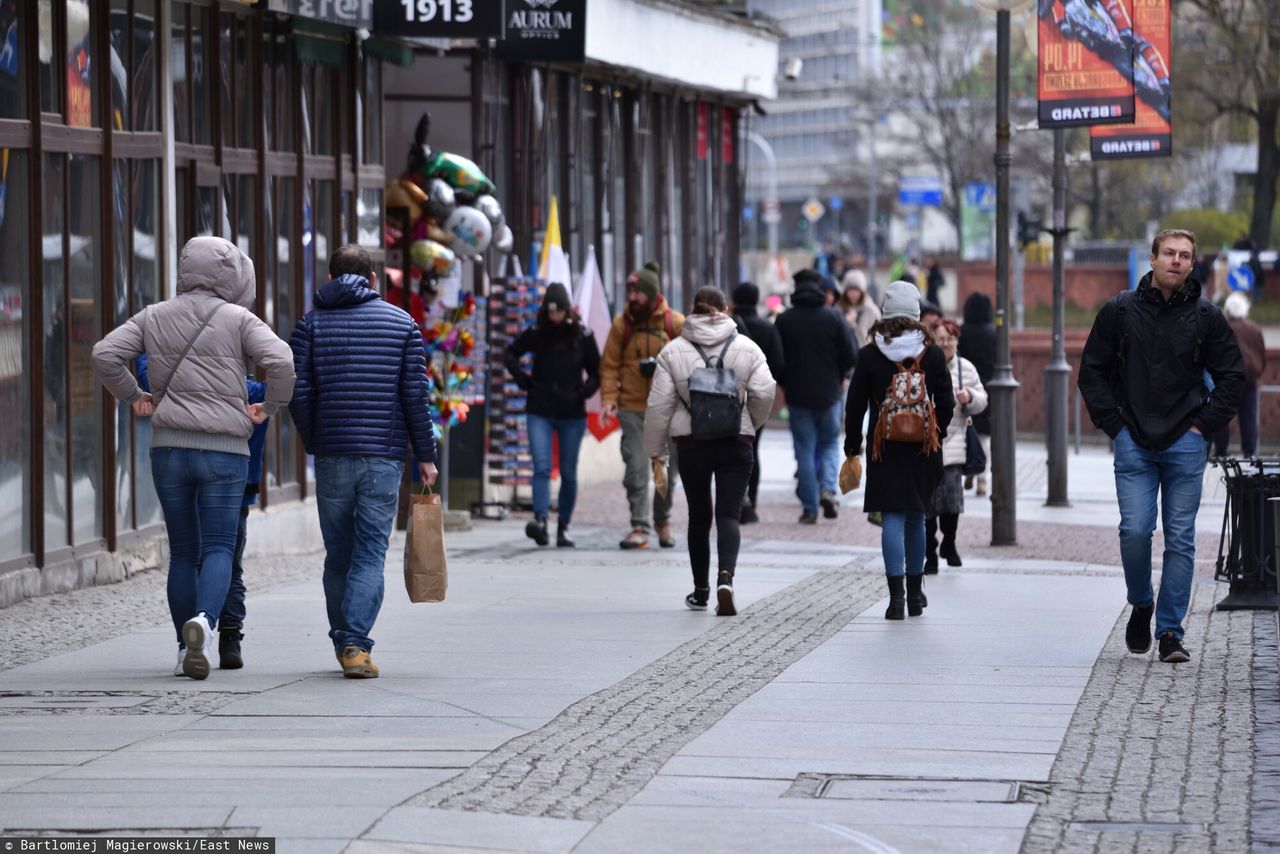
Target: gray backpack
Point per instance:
(714, 407)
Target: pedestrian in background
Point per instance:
(1142, 375)
(746, 297)
(710, 339)
(818, 352)
(978, 345)
(231, 621)
(363, 398)
(934, 281)
(1253, 349)
(638, 334)
(859, 309)
(902, 476)
(565, 374)
(948, 498)
(198, 344)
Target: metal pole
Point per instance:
(871, 203)
(1057, 374)
(1003, 387)
(772, 162)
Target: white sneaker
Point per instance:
(198, 635)
(177, 668)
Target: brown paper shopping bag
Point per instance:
(426, 575)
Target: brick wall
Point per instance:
(1087, 286)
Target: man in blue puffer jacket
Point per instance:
(361, 398)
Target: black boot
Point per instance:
(897, 598)
(229, 657)
(915, 595)
(931, 546)
(562, 536)
(536, 530)
(949, 523)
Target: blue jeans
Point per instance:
(1177, 475)
(356, 498)
(570, 431)
(200, 493)
(233, 608)
(902, 543)
(815, 436)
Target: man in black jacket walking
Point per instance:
(819, 353)
(746, 297)
(1142, 375)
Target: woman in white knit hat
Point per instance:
(901, 475)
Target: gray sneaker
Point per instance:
(1172, 650)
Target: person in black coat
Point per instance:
(901, 476)
(819, 350)
(566, 373)
(746, 297)
(978, 345)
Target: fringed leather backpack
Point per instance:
(907, 413)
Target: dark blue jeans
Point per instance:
(200, 493)
(902, 543)
(815, 435)
(233, 609)
(570, 431)
(356, 498)
(1176, 476)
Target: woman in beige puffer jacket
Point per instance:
(728, 460)
(199, 345)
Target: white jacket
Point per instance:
(666, 416)
(963, 375)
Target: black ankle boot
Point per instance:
(229, 657)
(536, 530)
(897, 598)
(915, 595)
(949, 553)
(562, 536)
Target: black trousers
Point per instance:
(948, 523)
(753, 487)
(728, 462)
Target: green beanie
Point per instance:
(647, 280)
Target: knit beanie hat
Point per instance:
(807, 277)
(746, 294)
(647, 280)
(901, 299)
(557, 296)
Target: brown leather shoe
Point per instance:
(356, 663)
(637, 539)
(666, 538)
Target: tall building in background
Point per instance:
(817, 127)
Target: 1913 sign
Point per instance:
(460, 19)
(545, 29)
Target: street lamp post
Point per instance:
(1057, 374)
(1003, 387)
(771, 202)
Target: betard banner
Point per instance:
(1085, 63)
(1150, 135)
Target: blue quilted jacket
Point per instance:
(362, 388)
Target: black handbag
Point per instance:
(975, 459)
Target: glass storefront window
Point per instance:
(369, 217)
(324, 232)
(245, 117)
(178, 71)
(146, 291)
(82, 107)
(143, 72)
(123, 419)
(372, 114)
(13, 86)
(245, 216)
(286, 464)
(15, 386)
(203, 61)
(226, 82)
(119, 33)
(85, 392)
(54, 395)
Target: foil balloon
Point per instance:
(406, 194)
(460, 173)
(504, 241)
(440, 198)
(431, 257)
(489, 206)
(471, 231)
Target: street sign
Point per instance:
(771, 211)
(920, 192)
(748, 213)
(813, 210)
(980, 197)
(835, 203)
(1240, 279)
(437, 18)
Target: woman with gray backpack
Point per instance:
(902, 378)
(712, 391)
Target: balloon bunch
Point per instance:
(449, 342)
(452, 212)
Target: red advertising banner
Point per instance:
(726, 135)
(1151, 134)
(701, 140)
(1084, 63)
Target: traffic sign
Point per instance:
(771, 211)
(748, 213)
(835, 203)
(981, 197)
(1240, 279)
(813, 210)
(920, 191)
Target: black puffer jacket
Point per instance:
(818, 348)
(566, 371)
(765, 335)
(1143, 367)
(978, 345)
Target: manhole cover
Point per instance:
(72, 701)
(871, 787)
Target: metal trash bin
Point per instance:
(1247, 548)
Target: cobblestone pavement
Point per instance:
(601, 751)
(1265, 824)
(1158, 758)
